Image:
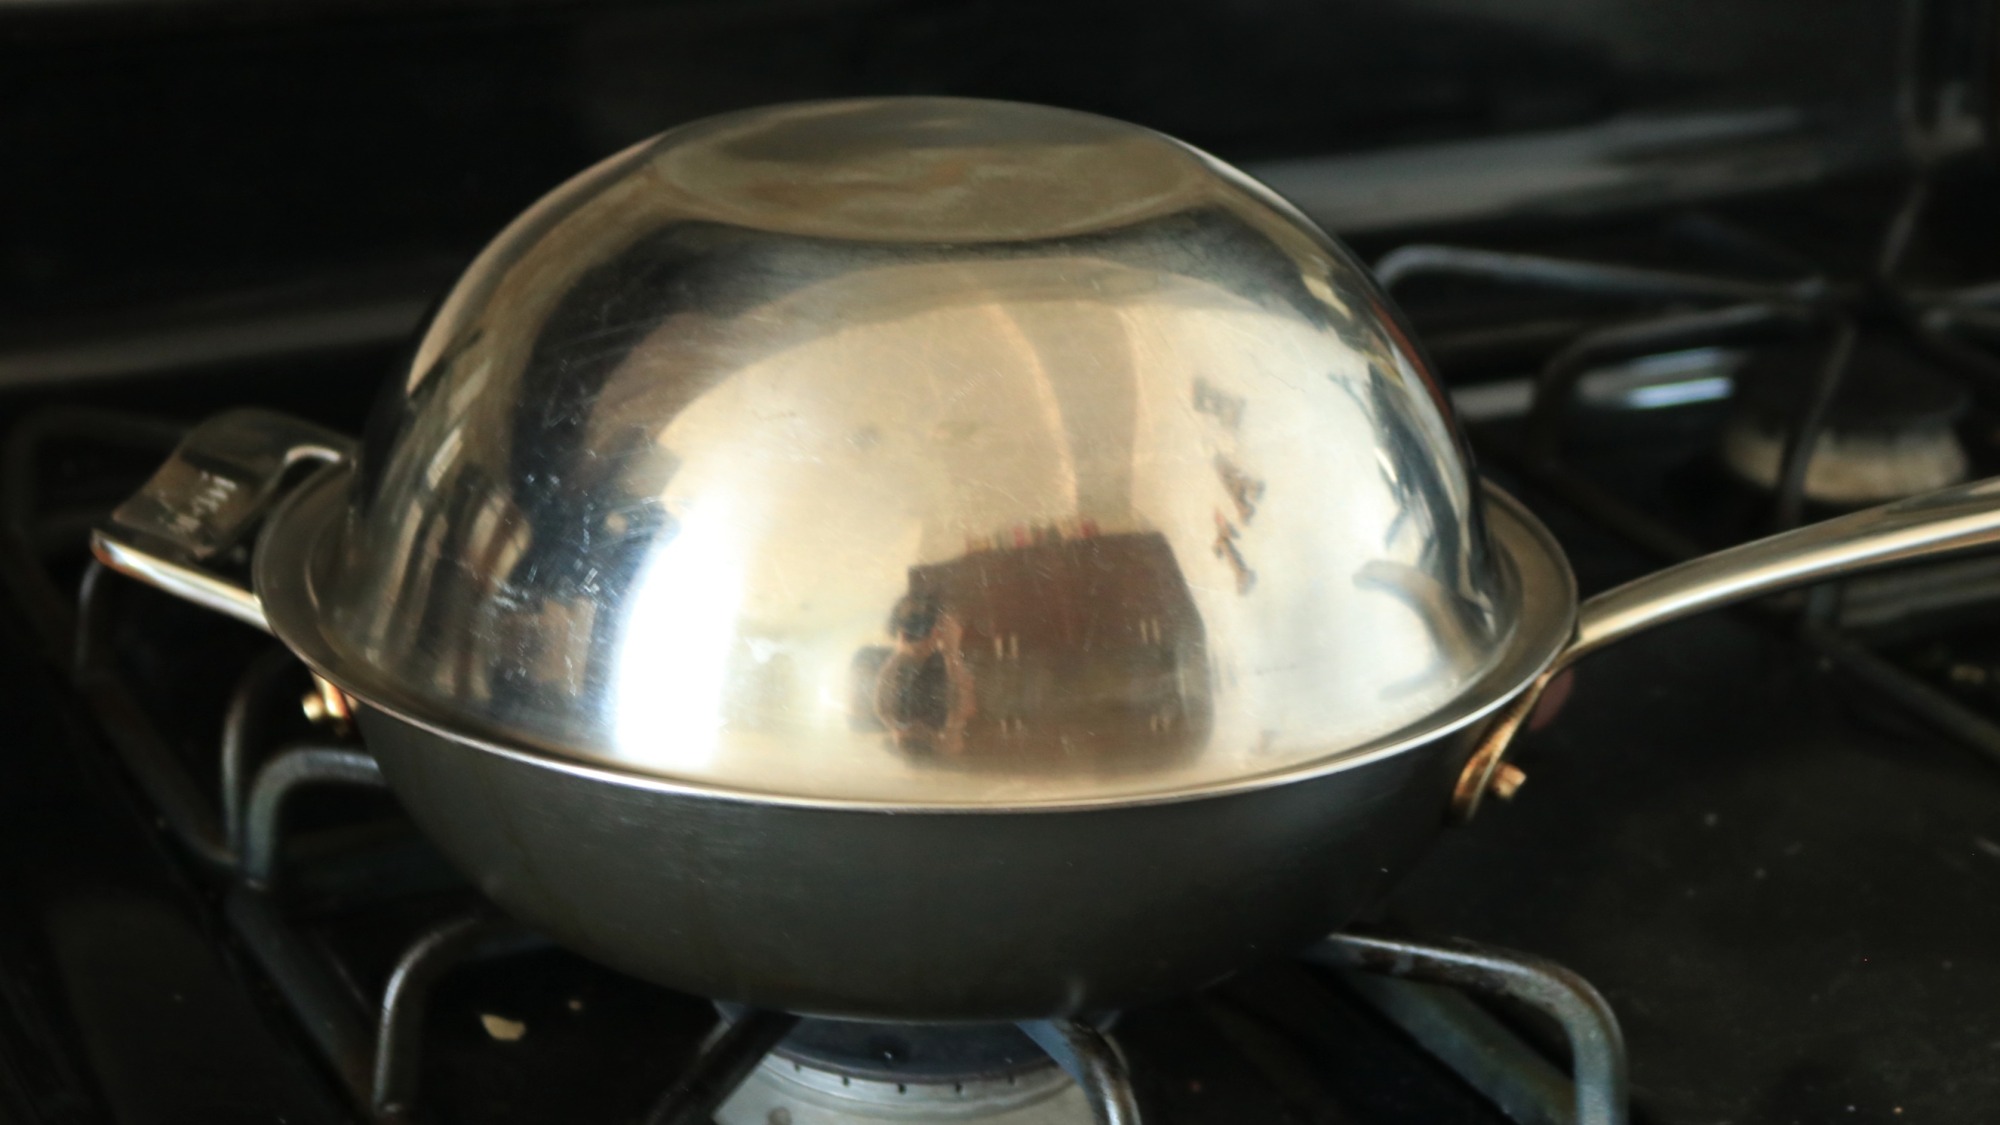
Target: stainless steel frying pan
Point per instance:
(923, 559)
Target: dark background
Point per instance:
(161, 153)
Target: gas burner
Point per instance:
(1888, 435)
(930, 1053)
(1890, 431)
(786, 1092)
(837, 1072)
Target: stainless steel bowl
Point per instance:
(920, 452)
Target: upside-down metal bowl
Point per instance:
(925, 453)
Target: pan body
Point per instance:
(919, 915)
(897, 912)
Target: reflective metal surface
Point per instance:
(923, 452)
(220, 482)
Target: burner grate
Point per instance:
(1949, 328)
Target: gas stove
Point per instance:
(1753, 875)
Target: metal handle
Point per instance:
(1951, 519)
(224, 477)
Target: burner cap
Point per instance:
(1890, 431)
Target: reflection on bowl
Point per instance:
(1060, 644)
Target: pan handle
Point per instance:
(222, 479)
(1935, 523)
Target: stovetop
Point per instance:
(1783, 881)
(1769, 838)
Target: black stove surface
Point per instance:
(1785, 887)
